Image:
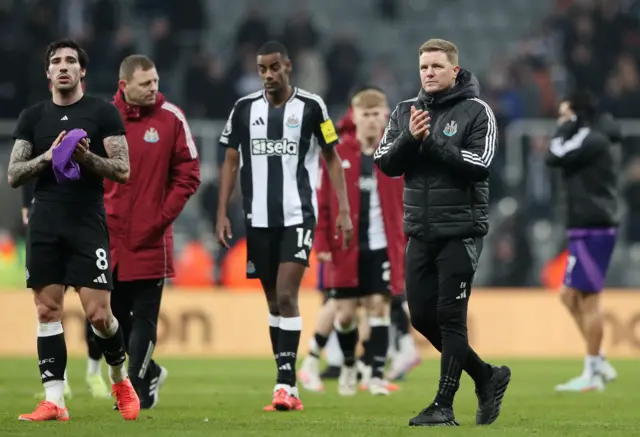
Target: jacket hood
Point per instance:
(610, 127)
(466, 87)
(130, 111)
(345, 125)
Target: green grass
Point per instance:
(225, 398)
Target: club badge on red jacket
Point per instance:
(165, 173)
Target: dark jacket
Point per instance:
(588, 157)
(165, 173)
(446, 190)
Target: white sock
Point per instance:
(118, 373)
(292, 391)
(592, 364)
(314, 348)
(54, 392)
(93, 367)
(407, 344)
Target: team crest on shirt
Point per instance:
(151, 136)
(450, 128)
(293, 122)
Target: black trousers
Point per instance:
(438, 285)
(136, 305)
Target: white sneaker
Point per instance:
(365, 374)
(309, 374)
(583, 383)
(402, 364)
(609, 374)
(156, 384)
(348, 381)
(378, 387)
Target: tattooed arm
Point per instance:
(116, 166)
(22, 167)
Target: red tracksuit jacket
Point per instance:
(342, 271)
(165, 173)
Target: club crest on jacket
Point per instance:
(151, 136)
(450, 128)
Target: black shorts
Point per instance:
(68, 245)
(374, 277)
(267, 248)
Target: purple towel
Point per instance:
(65, 168)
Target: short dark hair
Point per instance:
(583, 103)
(131, 63)
(271, 47)
(66, 43)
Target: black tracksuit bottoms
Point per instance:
(439, 275)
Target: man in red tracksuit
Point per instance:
(372, 267)
(165, 173)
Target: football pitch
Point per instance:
(225, 398)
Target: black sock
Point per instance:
(402, 323)
(112, 346)
(379, 344)
(288, 342)
(93, 349)
(399, 317)
(318, 343)
(367, 356)
(52, 352)
(274, 334)
(348, 339)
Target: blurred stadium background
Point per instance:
(527, 53)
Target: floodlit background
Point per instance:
(527, 54)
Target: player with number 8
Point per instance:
(68, 241)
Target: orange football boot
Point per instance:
(283, 401)
(126, 399)
(46, 410)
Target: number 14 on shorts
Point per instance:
(304, 237)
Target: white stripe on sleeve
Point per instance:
(559, 148)
(489, 140)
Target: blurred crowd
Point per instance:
(592, 44)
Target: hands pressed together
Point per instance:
(419, 123)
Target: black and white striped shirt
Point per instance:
(279, 156)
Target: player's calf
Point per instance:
(52, 349)
(110, 339)
(346, 327)
(378, 309)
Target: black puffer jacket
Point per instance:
(589, 156)
(446, 191)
